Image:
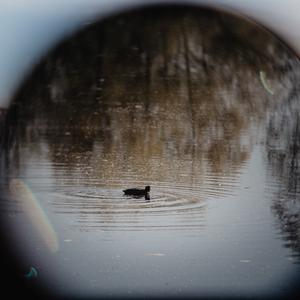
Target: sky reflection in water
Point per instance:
(178, 102)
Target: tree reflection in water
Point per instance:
(204, 91)
(283, 145)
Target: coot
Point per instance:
(138, 192)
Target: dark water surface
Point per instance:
(200, 105)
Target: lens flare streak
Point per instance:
(20, 192)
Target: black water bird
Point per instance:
(139, 192)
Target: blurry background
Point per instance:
(29, 28)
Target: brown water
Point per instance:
(203, 107)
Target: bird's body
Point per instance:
(138, 192)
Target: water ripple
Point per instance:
(172, 206)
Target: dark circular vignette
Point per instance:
(13, 281)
